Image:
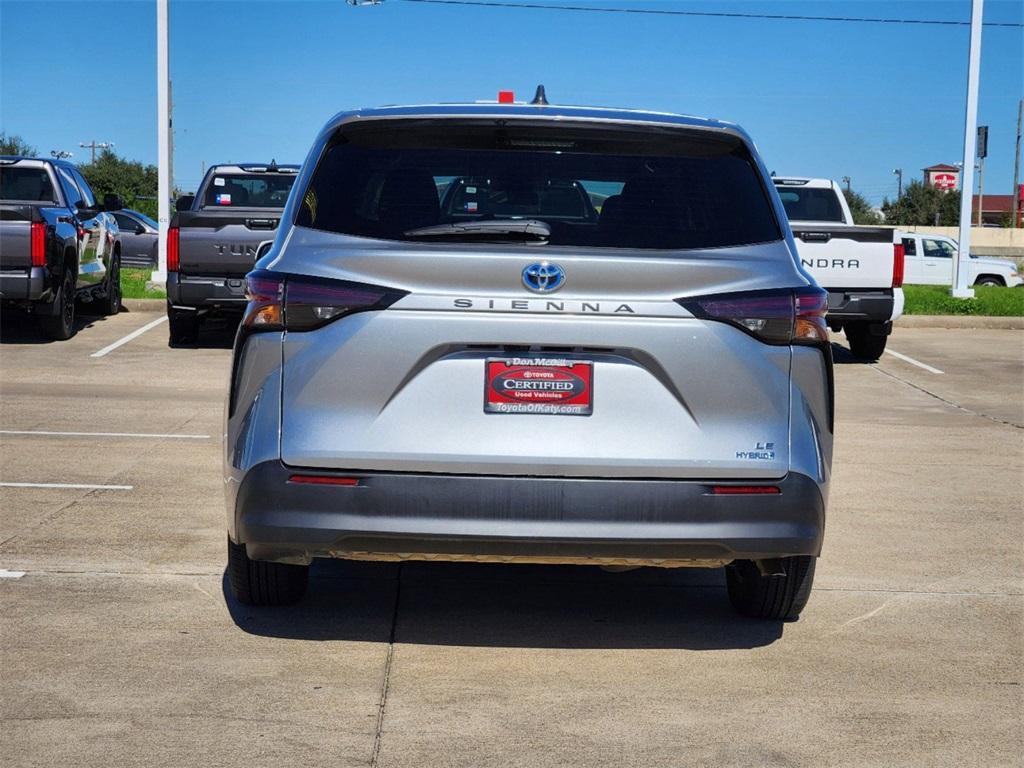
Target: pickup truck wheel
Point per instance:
(184, 326)
(780, 596)
(61, 326)
(255, 582)
(112, 302)
(989, 281)
(863, 343)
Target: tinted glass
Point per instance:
(593, 186)
(69, 185)
(84, 186)
(126, 223)
(269, 190)
(25, 184)
(804, 204)
(909, 246)
(936, 249)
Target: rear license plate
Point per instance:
(539, 385)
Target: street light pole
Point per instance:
(899, 189)
(1016, 169)
(163, 140)
(846, 181)
(959, 288)
(94, 145)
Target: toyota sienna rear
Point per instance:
(538, 334)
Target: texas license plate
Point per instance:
(539, 385)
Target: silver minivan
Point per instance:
(528, 333)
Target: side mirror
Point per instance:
(112, 203)
(184, 203)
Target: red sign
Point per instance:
(944, 180)
(538, 385)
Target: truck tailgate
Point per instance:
(15, 233)
(215, 242)
(846, 257)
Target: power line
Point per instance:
(714, 14)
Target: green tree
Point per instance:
(134, 182)
(863, 212)
(15, 145)
(922, 205)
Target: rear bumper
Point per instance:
(879, 305)
(22, 285)
(205, 292)
(554, 519)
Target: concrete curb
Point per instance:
(961, 321)
(144, 305)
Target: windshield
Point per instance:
(811, 204)
(250, 190)
(591, 186)
(25, 184)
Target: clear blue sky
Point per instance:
(255, 80)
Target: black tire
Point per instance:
(111, 303)
(255, 582)
(863, 343)
(989, 281)
(61, 326)
(184, 326)
(770, 597)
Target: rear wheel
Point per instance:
(863, 343)
(777, 596)
(61, 326)
(255, 582)
(184, 326)
(111, 304)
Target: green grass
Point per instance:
(993, 301)
(133, 284)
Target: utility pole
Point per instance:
(846, 181)
(898, 172)
(982, 154)
(163, 125)
(93, 145)
(959, 288)
(1016, 169)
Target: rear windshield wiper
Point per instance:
(529, 231)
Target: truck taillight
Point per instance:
(173, 253)
(776, 317)
(301, 303)
(898, 256)
(38, 244)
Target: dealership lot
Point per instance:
(119, 645)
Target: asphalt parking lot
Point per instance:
(120, 647)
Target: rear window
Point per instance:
(807, 204)
(592, 186)
(26, 184)
(267, 190)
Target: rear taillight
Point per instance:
(173, 251)
(38, 244)
(298, 303)
(776, 317)
(324, 480)
(898, 256)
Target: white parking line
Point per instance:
(5, 574)
(133, 335)
(912, 361)
(81, 486)
(48, 433)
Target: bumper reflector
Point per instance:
(323, 480)
(743, 490)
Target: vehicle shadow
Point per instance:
(214, 333)
(843, 356)
(521, 606)
(18, 327)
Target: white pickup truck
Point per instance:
(860, 267)
(929, 261)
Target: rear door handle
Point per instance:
(261, 223)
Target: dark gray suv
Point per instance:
(528, 333)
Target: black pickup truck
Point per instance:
(58, 246)
(214, 237)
